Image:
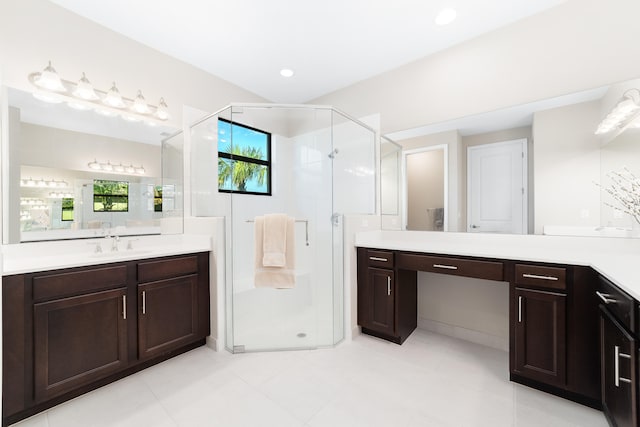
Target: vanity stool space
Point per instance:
(553, 313)
(69, 331)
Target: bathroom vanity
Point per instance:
(573, 305)
(67, 331)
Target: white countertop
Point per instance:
(54, 255)
(614, 258)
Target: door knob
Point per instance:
(474, 226)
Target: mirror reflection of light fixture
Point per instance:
(622, 114)
(52, 183)
(81, 95)
(116, 168)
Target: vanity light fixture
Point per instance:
(622, 114)
(60, 195)
(81, 95)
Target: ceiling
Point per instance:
(329, 44)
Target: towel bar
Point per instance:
(306, 228)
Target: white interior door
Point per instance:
(497, 187)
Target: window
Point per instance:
(244, 167)
(110, 196)
(157, 198)
(67, 209)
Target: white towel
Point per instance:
(274, 277)
(274, 240)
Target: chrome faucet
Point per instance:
(114, 242)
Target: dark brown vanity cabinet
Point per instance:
(167, 305)
(539, 324)
(385, 309)
(69, 331)
(540, 336)
(618, 355)
(78, 340)
(554, 330)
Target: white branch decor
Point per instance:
(625, 189)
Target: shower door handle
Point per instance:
(335, 219)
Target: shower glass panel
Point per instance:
(301, 187)
(257, 159)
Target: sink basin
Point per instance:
(120, 254)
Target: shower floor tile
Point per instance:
(431, 380)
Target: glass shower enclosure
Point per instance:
(313, 164)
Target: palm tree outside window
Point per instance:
(244, 159)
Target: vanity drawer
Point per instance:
(541, 276)
(150, 271)
(381, 259)
(79, 282)
(617, 301)
(490, 270)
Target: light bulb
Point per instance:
(94, 165)
(162, 112)
(130, 169)
(118, 168)
(49, 80)
(84, 90)
(113, 98)
(140, 105)
(140, 170)
(107, 167)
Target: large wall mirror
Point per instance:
(539, 168)
(72, 173)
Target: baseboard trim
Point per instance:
(478, 337)
(212, 343)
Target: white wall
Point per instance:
(578, 45)
(566, 157)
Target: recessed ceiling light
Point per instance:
(286, 72)
(446, 16)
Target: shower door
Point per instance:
(268, 318)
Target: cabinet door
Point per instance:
(381, 300)
(618, 365)
(540, 334)
(167, 316)
(78, 340)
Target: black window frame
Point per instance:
(233, 157)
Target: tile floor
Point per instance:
(431, 380)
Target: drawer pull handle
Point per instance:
(616, 367)
(388, 285)
(519, 309)
(446, 267)
(605, 298)
(124, 307)
(537, 276)
(375, 258)
(144, 302)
